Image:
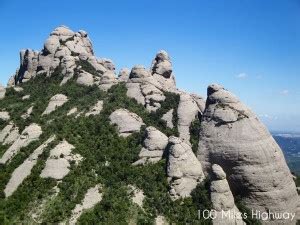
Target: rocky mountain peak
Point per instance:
(108, 134)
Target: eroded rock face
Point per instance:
(58, 163)
(233, 137)
(29, 134)
(187, 111)
(222, 200)
(91, 198)
(62, 48)
(85, 78)
(168, 117)
(127, 122)
(153, 146)
(24, 170)
(183, 169)
(56, 101)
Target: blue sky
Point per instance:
(251, 47)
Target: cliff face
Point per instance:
(71, 129)
(233, 137)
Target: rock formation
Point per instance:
(28, 135)
(56, 101)
(236, 152)
(23, 171)
(168, 118)
(58, 163)
(187, 111)
(153, 146)
(64, 48)
(9, 133)
(91, 198)
(222, 200)
(96, 109)
(184, 170)
(234, 138)
(127, 122)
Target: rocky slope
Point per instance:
(80, 144)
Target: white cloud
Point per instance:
(242, 76)
(284, 92)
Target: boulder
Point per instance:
(184, 171)
(153, 148)
(85, 78)
(127, 122)
(28, 135)
(222, 200)
(232, 136)
(55, 101)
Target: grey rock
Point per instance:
(123, 75)
(153, 148)
(85, 78)
(127, 122)
(162, 64)
(223, 201)
(232, 136)
(56, 101)
(168, 117)
(187, 112)
(184, 171)
(28, 135)
(96, 109)
(58, 163)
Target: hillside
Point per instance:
(81, 145)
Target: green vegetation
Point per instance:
(194, 132)
(97, 141)
(246, 211)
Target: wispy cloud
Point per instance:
(284, 92)
(242, 76)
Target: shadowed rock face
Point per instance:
(232, 136)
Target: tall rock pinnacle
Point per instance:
(233, 137)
